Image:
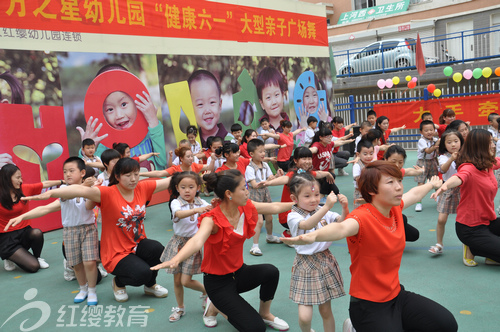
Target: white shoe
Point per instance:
(119, 293)
(256, 251)
(69, 273)
(92, 299)
(273, 239)
(156, 290)
(209, 321)
(341, 172)
(347, 327)
(9, 265)
(418, 207)
(103, 271)
(43, 263)
(277, 324)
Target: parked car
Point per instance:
(384, 54)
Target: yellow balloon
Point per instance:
(457, 77)
(408, 78)
(395, 80)
(437, 93)
(487, 72)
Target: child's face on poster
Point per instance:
(311, 100)
(119, 110)
(207, 103)
(272, 100)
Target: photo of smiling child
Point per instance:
(207, 103)
(310, 99)
(120, 111)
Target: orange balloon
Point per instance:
(497, 71)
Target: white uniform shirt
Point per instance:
(218, 162)
(259, 175)
(309, 135)
(296, 216)
(74, 213)
(423, 144)
(451, 170)
(186, 227)
(105, 178)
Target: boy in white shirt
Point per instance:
(312, 128)
(363, 130)
(109, 158)
(427, 155)
(256, 174)
(88, 150)
(493, 128)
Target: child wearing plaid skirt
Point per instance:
(185, 211)
(426, 155)
(449, 146)
(316, 277)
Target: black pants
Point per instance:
(411, 233)
(284, 165)
(341, 159)
(326, 188)
(134, 270)
(406, 312)
(482, 240)
(224, 291)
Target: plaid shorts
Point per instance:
(431, 169)
(81, 244)
(316, 279)
(260, 195)
(190, 266)
(448, 202)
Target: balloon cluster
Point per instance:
(477, 73)
(432, 89)
(388, 83)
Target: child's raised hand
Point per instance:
(303, 116)
(323, 116)
(331, 200)
(454, 156)
(343, 200)
(5, 159)
(91, 131)
(171, 153)
(146, 106)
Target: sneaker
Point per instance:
(418, 207)
(256, 251)
(341, 172)
(92, 299)
(69, 273)
(278, 324)
(273, 239)
(156, 290)
(489, 261)
(347, 327)
(209, 321)
(82, 294)
(119, 292)
(43, 263)
(103, 271)
(467, 261)
(9, 265)
(177, 313)
(203, 301)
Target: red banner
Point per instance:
(474, 109)
(194, 19)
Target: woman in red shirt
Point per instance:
(231, 152)
(222, 231)
(477, 225)
(125, 250)
(376, 241)
(284, 138)
(186, 164)
(15, 242)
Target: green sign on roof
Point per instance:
(377, 11)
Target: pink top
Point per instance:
(477, 195)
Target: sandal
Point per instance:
(437, 249)
(467, 261)
(177, 313)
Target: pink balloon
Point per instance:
(381, 84)
(389, 83)
(414, 79)
(467, 74)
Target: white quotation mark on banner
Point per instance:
(29, 295)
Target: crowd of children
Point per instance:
(230, 164)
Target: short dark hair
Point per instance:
(236, 127)
(108, 155)
(371, 112)
(203, 74)
(178, 177)
(425, 114)
(365, 124)
(79, 162)
(337, 119)
(370, 177)
(254, 144)
(492, 116)
(89, 172)
(263, 119)
(247, 133)
(87, 141)
(426, 123)
(227, 148)
(123, 166)
(285, 124)
(311, 119)
(364, 143)
(394, 149)
(269, 76)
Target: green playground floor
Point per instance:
(45, 300)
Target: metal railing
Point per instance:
(439, 50)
